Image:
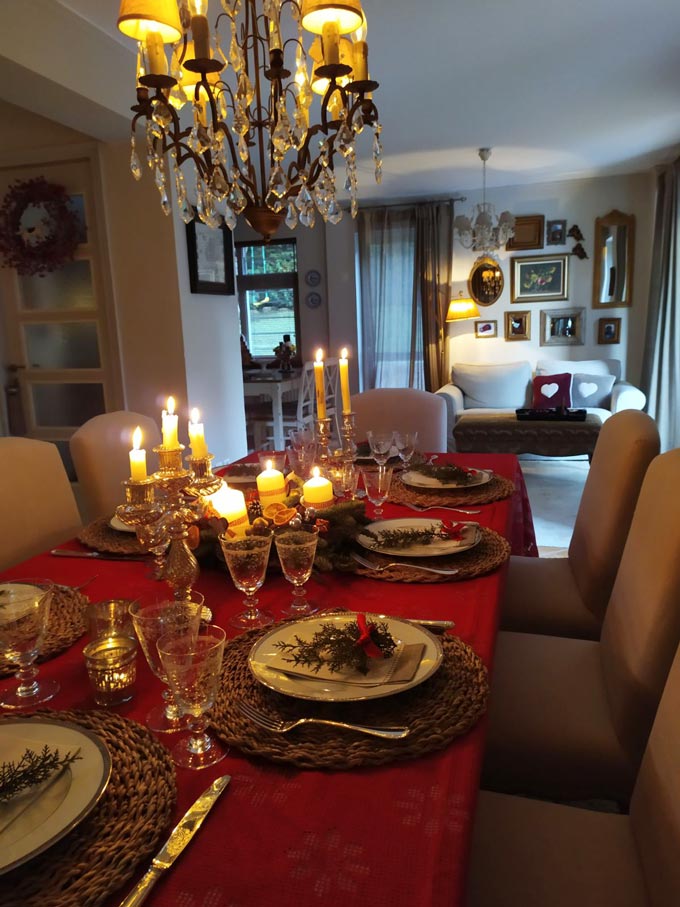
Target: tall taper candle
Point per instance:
(343, 366)
(319, 384)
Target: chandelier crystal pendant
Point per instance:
(251, 144)
(479, 232)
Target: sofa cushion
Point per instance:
(496, 386)
(585, 366)
(551, 391)
(591, 390)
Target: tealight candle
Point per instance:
(112, 668)
(231, 504)
(169, 426)
(319, 384)
(271, 486)
(317, 491)
(137, 457)
(343, 368)
(199, 448)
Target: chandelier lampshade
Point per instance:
(250, 140)
(482, 231)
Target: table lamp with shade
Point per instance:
(462, 308)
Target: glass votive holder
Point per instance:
(112, 668)
(110, 618)
(277, 458)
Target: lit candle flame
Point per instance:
(319, 355)
(195, 416)
(269, 464)
(316, 472)
(171, 406)
(137, 438)
(343, 352)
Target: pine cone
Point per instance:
(254, 510)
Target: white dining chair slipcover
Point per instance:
(404, 409)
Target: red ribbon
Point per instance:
(365, 640)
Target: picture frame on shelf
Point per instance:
(518, 325)
(528, 233)
(539, 278)
(556, 233)
(211, 259)
(562, 327)
(609, 330)
(485, 329)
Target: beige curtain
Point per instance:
(434, 249)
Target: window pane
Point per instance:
(271, 314)
(65, 405)
(66, 345)
(68, 288)
(275, 258)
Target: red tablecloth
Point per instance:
(398, 834)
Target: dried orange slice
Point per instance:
(283, 517)
(271, 510)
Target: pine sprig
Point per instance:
(403, 538)
(449, 473)
(336, 647)
(33, 768)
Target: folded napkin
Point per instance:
(400, 668)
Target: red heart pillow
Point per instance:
(552, 390)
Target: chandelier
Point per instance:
(251, 145)
(479, 232)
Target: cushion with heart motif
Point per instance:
(551, 391)
(592, 390)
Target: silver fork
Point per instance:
(419, 509)
(279, 726)
(380, 567)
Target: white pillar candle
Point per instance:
(317, 491)
(199, 448)
(231, 504)
(200, 30)
(319, 385)
(343, 366)
(169, 426)
(137, 457)
(271, 486)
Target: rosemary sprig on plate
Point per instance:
(404, 538)
(336, 647)
(33, 768)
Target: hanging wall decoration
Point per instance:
(39, 228)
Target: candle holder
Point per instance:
(112, 668)
(349, 447)
(205, 482)
(323, 437)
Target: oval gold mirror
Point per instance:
(613, 262)
(485, 283)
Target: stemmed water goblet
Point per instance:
(296, 550)
(168, 618)
(192, 663)
(406, 443)
(153, 538)
(247, 560)
(24, 612)
(377, 483)
(381, 443)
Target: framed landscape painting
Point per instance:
(541, 278)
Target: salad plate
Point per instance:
(418, 479)
(383, 534)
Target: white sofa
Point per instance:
(500, 389)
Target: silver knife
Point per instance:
(99, 555)
(180, 836)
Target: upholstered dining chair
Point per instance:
(38, 505)
(404, 409)
(100, 451)
(568, 596)
(532, 853)
(571, 717)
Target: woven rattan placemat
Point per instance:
(496, 489)
(67, 623)
(125, 828)
(102, 537)
(439, 710)
(492, 551)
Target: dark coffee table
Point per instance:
(505, 433)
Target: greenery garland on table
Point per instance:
(48, 244)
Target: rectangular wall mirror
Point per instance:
(613, 260)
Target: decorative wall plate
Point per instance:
(313, 278)
(313, 300)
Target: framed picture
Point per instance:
(556, 233)
(539, 279)
(211, 258)
(528, 233)
(486, 329)
(609, 330)
(518, 325)
(562, 327)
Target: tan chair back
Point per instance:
(655, 805)
(38, 505)
(100, 451)
(404, 409)
(627, 444)
(641, 629)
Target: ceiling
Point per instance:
(558, 91)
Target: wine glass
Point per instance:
(150, 623)
(247, 560)
(154, 539)
(377, 484)
(380, 443)
(192, 663)
(296, 550)
(24, 612)
(406, 443)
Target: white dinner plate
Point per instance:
(419, 480)
(436, 548)
(66, 802)
(264, 661)
(119, 525)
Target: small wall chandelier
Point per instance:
(252, 142)
(479, 232)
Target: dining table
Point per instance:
(396, 833)
(272, 383)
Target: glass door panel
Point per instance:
(66, 289)
(70, 344)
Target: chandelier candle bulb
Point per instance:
(155, 54)
(137, 457)
(330, 39)
(319, 385)
(199, 449)
(271, 486)
(169, 426)
(231, 504)
(317, 491)
(200, 30)
(343, 368)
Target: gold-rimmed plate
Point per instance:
(470, 536)
(421, 480)
(265, 661)
(32, 826)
